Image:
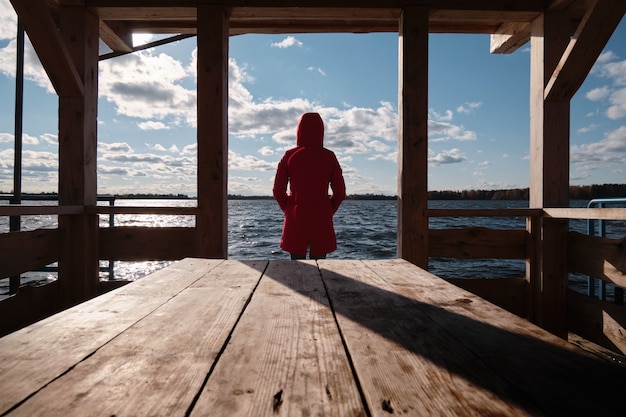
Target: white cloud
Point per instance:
(598, 93)
(610, 151)
(316, 69)
(451, 156)
(33, 70)
(6, 138)
(468, 108)
(148, 86)
(288, 42)
(587, 129)
(116, 147)
(266, 151)
(8, 20)
(152, 125)
(442, 131)
(160, 148)
(248, 163)
(617, 110)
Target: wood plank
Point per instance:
(157, 366)
(146, 243)
(25, 251)
(587, 213)
(510, 37)
(285, 358)
(413, 135)
(509, 293)
(26, 210)
(39, 354)
(404, 359)
(598, 321)
(599, 257)
(165, 211)
(447, 332)
(477, 242)
(523, 212)
(116, 35)
(28, 306)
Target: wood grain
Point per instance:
(498, 352)
(285, 357)
(405, 360)
(137, 373)
(36, 355)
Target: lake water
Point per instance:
(366, 229)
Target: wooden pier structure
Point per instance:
(207, 337)
(565, 39)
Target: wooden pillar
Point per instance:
(78, 263)
(212, 221)
(413, 136)
(549, 173)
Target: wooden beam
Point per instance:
(212, 221)
(78, 130)
(146, 243)
(477, 242)
(593, 33)
(484, 5)
(598, 257)
(413, 136)
(510, 37)
(549, 174)
(598, 321)
(587, 213)
(116, 35)
(51, 50)
(24, 251)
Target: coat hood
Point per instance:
(310, 130)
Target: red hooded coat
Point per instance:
(308, 169)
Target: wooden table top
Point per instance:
(285, 338)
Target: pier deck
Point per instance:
(285, 338)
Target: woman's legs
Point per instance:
(295, 256)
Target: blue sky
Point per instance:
(478, 122)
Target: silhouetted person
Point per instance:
(308, 169)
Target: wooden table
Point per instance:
(286, 338)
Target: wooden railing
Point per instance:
(602, 258)
(599, 257)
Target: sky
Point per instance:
(478, 113)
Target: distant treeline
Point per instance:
(576, 192)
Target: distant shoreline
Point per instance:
(576, 192)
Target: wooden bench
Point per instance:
(285, 338)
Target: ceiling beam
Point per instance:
(510, 37)
(593, 33)
(116, 35)
(46, 39)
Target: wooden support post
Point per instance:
(549, 171)
(212, 221)
(413, 136)
(78, 262)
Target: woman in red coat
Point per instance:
(308, 169)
